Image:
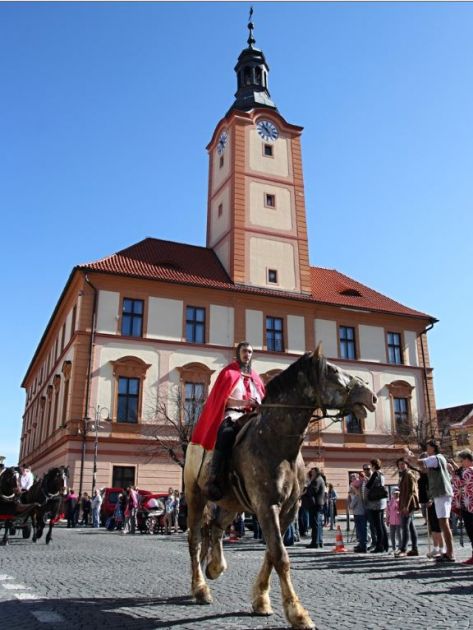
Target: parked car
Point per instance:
(109, 501)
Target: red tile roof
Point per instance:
(180, 263)
(455, 416)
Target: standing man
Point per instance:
(440, 491)
(237, 391)
(408, 503)
(96, 505)
(368, 505)
(316, 491)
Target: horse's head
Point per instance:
(55, 480)
(9, 483)
(336, 389)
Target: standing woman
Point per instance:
(463, 493)
(377, 495)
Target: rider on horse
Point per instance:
(238, 390)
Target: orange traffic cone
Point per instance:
(339, 544)
(233, 536)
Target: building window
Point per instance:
(394, 348)
(74, 320)
(352, 424)
(132, 317)
(347, 342)
(274, 334)
(123, 476)
(401, 415)
(463, 439)
(268, 150)
(273, 276)
(195, 324)
(128, 397)
(220, 209)
(269, 200)
(193, 402)
(221, 161)
(63, 336)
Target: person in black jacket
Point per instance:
(316, 492)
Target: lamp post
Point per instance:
(101, 415)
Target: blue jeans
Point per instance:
(95, 517)
(361, 526)
(304, 521)
(408, 527)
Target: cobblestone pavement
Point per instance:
(96, 579)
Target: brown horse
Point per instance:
(266, 476)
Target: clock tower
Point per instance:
(256, 221)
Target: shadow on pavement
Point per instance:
(127, 613)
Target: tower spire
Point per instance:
(251, 40)
(252, 76)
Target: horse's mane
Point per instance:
(288, 377)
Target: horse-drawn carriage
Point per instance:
(29, 510)
(19, 523)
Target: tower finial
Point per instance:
(251, 40)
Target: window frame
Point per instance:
(195, 322)
(129, 367)
(348, 341)
(128, 396)
(132, 467)
(267, 145)
(132, 315)
(398, 347)
(271, 196)
(268, 279)
(274, 330)
(360, 424)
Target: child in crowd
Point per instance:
(393, 519)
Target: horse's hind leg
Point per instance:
(7, 531)
(261, 603)
(295, 613)
(195, 507)
(49, 535)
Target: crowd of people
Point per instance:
(428, 483)
(85, 511)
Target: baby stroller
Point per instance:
(151, 516)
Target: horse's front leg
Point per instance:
(295, 613)
(261, 603)
(49, 535)
(195, 507)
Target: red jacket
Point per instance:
(206, 429)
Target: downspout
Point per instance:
(87, 386)
(424, 369)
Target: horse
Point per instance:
(48, 492)
(10, 507)
(266, 476)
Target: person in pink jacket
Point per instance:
(393, 519)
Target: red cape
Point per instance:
(205, 431)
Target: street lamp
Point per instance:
(101, 415)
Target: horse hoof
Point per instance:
(203, 596)
(299, 618)
(262, 607)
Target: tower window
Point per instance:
(270, 200)
(268, 150)
(272, 276)
(221, 161)
(220, 209)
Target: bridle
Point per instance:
(341, 413)
(9, 497)
(50, 495)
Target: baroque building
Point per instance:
(158, 320)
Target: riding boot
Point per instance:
(214, 486)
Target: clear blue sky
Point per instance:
(93, 94)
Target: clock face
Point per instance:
(267, 130)
(222, 142)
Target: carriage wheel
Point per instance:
(26, 532)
